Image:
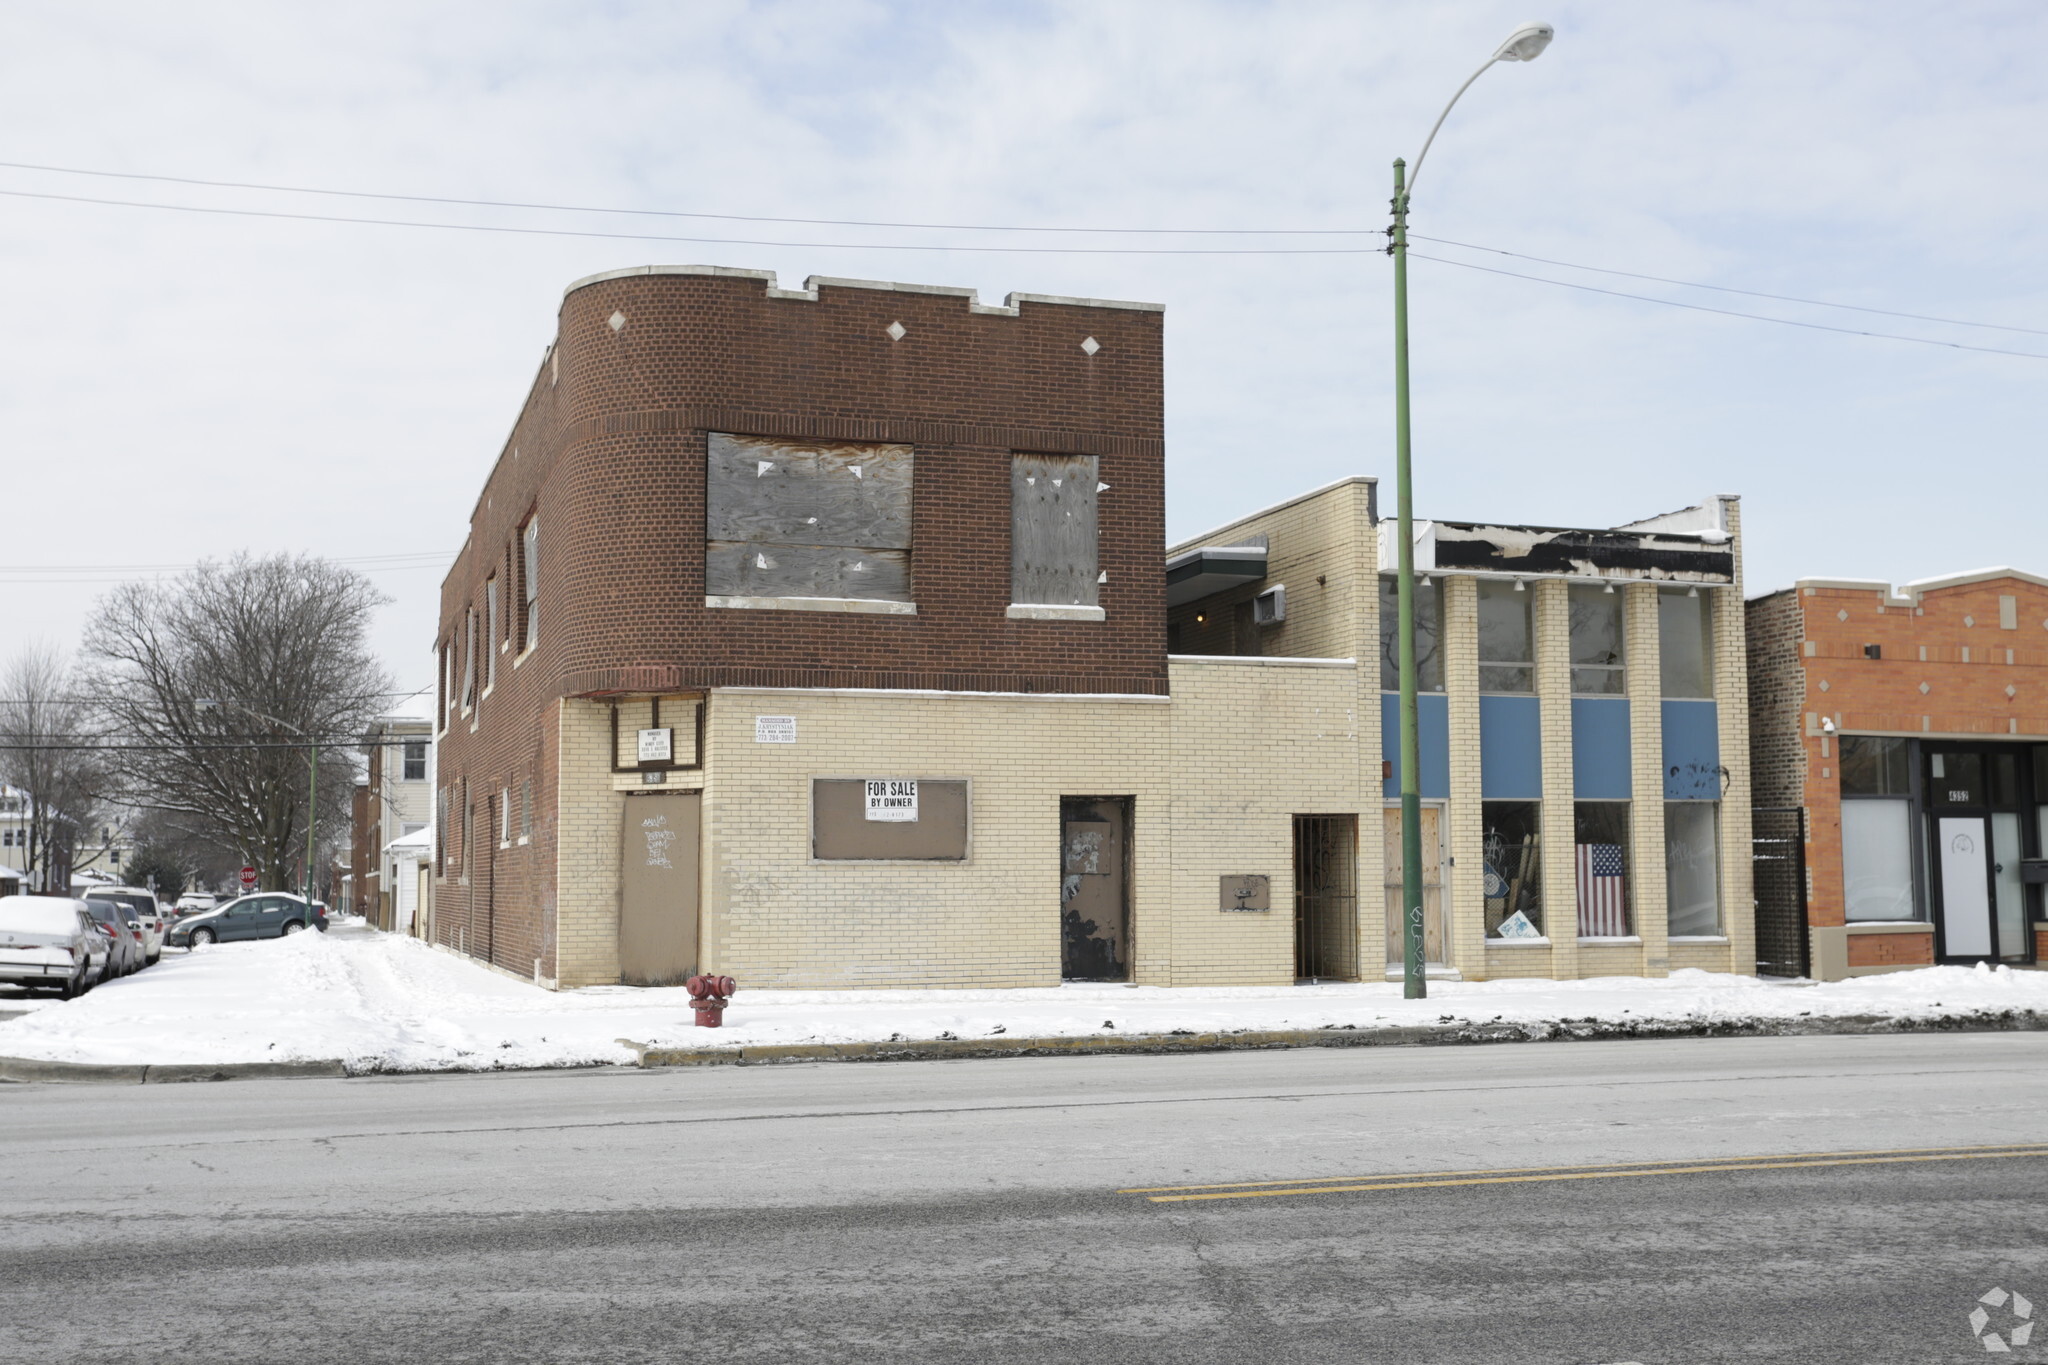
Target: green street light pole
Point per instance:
(1525, 44)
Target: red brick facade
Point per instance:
(608, 458)
(1957, 659)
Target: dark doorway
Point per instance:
(1326, 897)
(1777, 857)
(1977, 799)
(658, 888)
(1095, 888)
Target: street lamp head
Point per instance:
(1525, 44)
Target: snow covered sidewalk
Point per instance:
(380, 1002)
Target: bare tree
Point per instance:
(221, 685)
(48, 751)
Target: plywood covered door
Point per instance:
(1433, 936)
(1095, 890)
(658, 889)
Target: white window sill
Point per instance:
(523, 655)
(1050, 611)
(1721, 939)
(1619, 941)
(854, 605)
(524, 840)
(1518, 943)
(1889, 926)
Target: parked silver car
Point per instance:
(52, 942)
(267, 914)
(118, 923)
(148, 913)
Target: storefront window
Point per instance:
(1877, 860)
(1429, 668)
(1600, 854)
(1685, 645)
(1514, 871)
(1692, 867)
(1873, 766)
(1507, 663)
(1596, 640)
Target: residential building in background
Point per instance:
(821, 637)
(1906, 733)
(394, 801)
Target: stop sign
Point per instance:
(248, 879)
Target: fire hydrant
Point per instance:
(708, 997)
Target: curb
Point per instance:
(29, 1069)
(1413, 1035)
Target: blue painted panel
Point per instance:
(1510, 749)
(1433, 736)
(1692, 751)
(1600, 749)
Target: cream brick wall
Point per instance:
(1648, 901)
(587, 813)
(1554, 695)
(1731, 697)
(1464, 889)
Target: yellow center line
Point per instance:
(1599, 1175)
(1585, 1166)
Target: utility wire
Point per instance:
(1729, 289)
(679, 213)
(707, 241)
(1728, 312)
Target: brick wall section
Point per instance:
(1777, 694)
(607, 455)
(1891, 950)
(1969, 663)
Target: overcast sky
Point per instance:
(178, 385)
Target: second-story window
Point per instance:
(1052, 530)
(1596, 640)
(468, 658)
(1429, 662)
(490, 632)
(1685, 645)
(529, 582)
(792, 520)
(415, 760)
(1507, 662)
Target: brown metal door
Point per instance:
(1095, 899)
(658, 889)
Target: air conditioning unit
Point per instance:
(1269, 608)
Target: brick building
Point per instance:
(821, 637)
(1910, 730)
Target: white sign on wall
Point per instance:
(892, 798)
(657, 746)
(775, 729)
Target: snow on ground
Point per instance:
(382, 1002)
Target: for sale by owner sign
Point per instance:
(892, 798)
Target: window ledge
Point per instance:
(1889, 926)
(525, 839)
(1519, 942)
(523, 655)
(1049, 611)
(1619, 941)
(1698, 938)
(854, 605)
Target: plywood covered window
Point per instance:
(806, 519)
(1052, 530)
(844, 824)
(529, 582)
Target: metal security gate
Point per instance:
(1326, 897)
(1778, 861)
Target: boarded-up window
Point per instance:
(807, 519)
(1052, 530)
(840, 827)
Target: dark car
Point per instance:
(267, 914)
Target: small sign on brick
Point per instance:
(657, 746)
(1245, 892)
(892, 799)
(775, 729)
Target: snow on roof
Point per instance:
(419, 841)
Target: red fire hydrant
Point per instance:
(708, 997)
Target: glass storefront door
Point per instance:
(1975, 797)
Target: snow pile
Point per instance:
(381, 1002)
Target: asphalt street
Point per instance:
(1820, 1200)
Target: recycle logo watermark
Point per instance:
(2018, 1328)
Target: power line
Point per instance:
(1728, 312)
(1729, 289)
(704, 241)
(680, 213)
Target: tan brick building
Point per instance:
(821, 637)
(1909, 728)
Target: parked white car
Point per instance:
(148, 914)
(52, 942)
